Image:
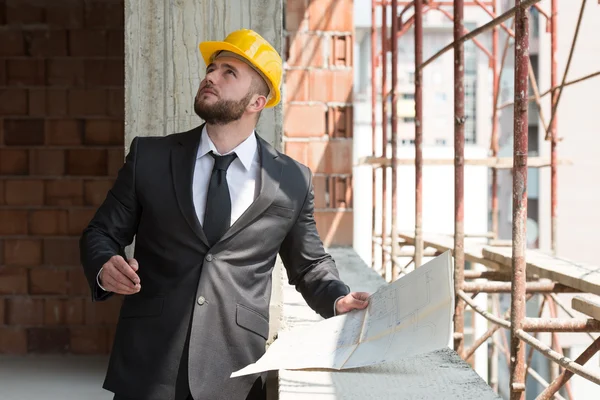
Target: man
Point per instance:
(210, 208)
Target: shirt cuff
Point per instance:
(335, 304)
(98, 280)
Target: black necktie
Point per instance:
(217, 215)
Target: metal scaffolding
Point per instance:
(514, 278)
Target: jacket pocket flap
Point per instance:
(280, 211)
(252, 320)
(141, 306)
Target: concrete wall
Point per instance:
(163, 67)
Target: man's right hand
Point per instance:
(119, 276)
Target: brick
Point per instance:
(65, 72)
(115, 72)
(116, 43)
(49, 222)
(340, 192)
(14, 162)
(64, 192)
(104, 132)
(78, 284)
(79, 218)
(331, 85)
(63, 14)
(88, 102)
(64, 132)
(104, 72)
(305, 50)
(2, 308)
(13, 222)
(13, 341)
(87, 162)
(320, 191)
(24, 192)
(2, 202)
(46, 43)
(13, 43)
(24, 311)
(13, 280)
(298, 151)
(57, 102)
(13, 101)
(340, 53)
(96, 191)
(331, 157)
(331, 15)
(61, 252)
(302, 120)
(89, 340)
(104, 14)
(335, 227)
(63, 312)
(116, 103)
(87, 43)
(340, 122)
(23, 132)
(20, 12)
(30, 72)
(3, 72)
(36, 103)
(22, 252)
(48, 162)
(48, 340)
(296, 15)
(44, 280)
(115, 161)
(297, 85)
(102, 313)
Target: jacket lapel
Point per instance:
(183, 161)
(271, 167)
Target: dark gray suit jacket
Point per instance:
(220, 295)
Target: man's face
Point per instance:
(225, 93)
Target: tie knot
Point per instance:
(223, 162)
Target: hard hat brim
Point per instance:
(208, 49)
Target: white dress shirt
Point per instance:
(243, 175)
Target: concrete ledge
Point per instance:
(438, 375)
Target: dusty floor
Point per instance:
(53, 378)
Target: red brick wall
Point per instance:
(61, 144)
(318, 106)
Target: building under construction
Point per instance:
(429, 126)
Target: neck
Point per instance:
(227, 137)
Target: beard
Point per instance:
(222, 111)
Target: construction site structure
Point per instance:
(509, 266)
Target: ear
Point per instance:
(257, 103)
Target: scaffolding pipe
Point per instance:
(564, 362)
(395, 271)
(558, 346)
(461, 39)
(519, 215)
(560, 325)
(495, 124)
(459, 162)
(373, 125)
(552, 128)
(563, 378)
(566, 310)
(490, 317)
(544, 286)
(418, 133)
(384, 135)
(491, 275)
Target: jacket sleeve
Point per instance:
(310, 269)
(113, 226)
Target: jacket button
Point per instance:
(209, 258)
(201, 300)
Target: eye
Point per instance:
(230, 71)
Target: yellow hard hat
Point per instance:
(257, 51)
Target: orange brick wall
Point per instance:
(317, 124)
(61, 145)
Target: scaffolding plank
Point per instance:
(579, 276)
(588, 305)
(441, 242)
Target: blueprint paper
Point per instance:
(410, 316)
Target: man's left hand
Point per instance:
(352, 301)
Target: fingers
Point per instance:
(120, 277)
(361, 295)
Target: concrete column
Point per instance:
(163, 67)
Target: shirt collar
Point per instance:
(245, 150)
